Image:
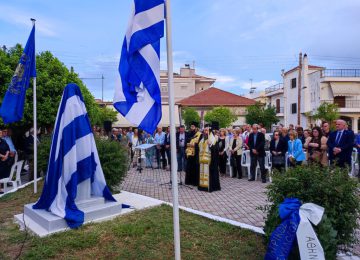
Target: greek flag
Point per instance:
(12, 107)
(138, 97)
(73, 159)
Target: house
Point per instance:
(212, 97)
(186, 83)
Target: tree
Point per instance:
(52, 77)
(327, 112)
(189, 115)
(259, 114)
(223, 115)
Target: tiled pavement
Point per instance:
(237, 200)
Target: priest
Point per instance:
(209, 160)
(192, 156)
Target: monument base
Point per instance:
(43, 223)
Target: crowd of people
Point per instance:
(12, 150)
(204, 155)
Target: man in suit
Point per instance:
(181, 141)
(256, 145)
(340, 145)
(168, 149)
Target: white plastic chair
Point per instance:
(15, 169)
(354, 162)
(246, 162)
(5, 181)
(228, 167)
(267, 164)
(286, 161)
(17, 181)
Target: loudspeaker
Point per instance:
(107, 126)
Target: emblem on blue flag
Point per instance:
(138, 96)
(12, 107)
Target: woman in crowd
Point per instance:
(223, 147)
(235, 148)
(316, 147)
(4, 158)
(307, 133)
(278, 151)
(134, 142)
(285, 135)
(295, 150)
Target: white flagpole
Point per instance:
(172, 133)
(35, 126)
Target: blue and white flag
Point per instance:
(73, 159)
(138, 97)
(12, 107)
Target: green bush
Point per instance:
(113, 157)
(43, 154)
(330, 188)
(114, 161)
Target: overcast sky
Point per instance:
(231, 40)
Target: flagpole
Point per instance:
(172, 133)
(35, 126)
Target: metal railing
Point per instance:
(346, 104)
(340, 73)
(279, 110)
(274, 88)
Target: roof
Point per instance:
(195, 76)
(215, 97)
(311, 67)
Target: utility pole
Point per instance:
(102, 85)
(299, 90)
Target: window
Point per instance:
(164, 88)
(340, 101)
(293, 108)
(278, 105)
(293, 83)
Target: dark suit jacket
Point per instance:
(260, 144)
(282, 146)
(167, 139)
(187, 139)
(346, 144)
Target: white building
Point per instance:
(275, 97)
(317, 85)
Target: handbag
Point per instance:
(278, 159)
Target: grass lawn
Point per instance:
(146, 234)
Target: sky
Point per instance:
(235, 41)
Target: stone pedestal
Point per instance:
(43, 223)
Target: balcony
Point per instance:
(350, 73)
(279, 110)
(344, 103)
(276, 87)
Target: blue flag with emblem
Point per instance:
(138, 97)
(12, 107)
